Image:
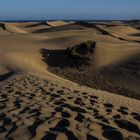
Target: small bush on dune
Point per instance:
(81, 53)
(82, 50)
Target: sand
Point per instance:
(57, 23)
(39, 105)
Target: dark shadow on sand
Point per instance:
(5, 76)
(82, 72)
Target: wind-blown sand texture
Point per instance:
(36, 104)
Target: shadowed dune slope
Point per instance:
(134, 23)
(109, 67)
(38, 24)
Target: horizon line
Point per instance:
(22, 20)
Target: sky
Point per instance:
(69, 9)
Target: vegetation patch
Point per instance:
(81, 54)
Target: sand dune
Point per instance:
(36, 27)
(51, 110)
(13, 29)
(66, 26)
(57, 23)
(98, 69)
(37, 24)
(37, 103)
(134, 23)
(124, 30)
(24, 24)
(114, 54)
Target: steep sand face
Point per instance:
(24, 24)
(125, 33)
(37, 27)
(124, 29)
(13, 29)
(37, 104)
(22, 61)
(114, 54)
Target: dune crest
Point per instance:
(57, 23)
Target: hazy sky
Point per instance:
(69, 9)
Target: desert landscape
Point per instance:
(70, 80)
